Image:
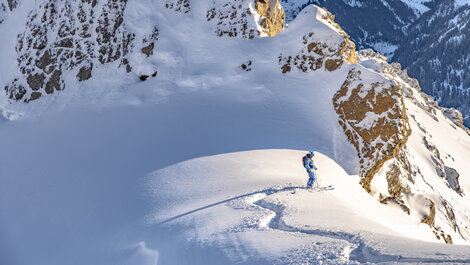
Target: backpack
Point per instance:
(305, 161)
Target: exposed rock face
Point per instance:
(232, 20)
(369, 22)
(78, 36)
(436, 157)
(436, 55)
(397, 201)
(149, 43)
(411, 88)
(273, 16)
(402, 174)
(84, 73)
(317, 53)
(72, 36)
(6, 6)
(182, 6)
(374, 119)
(238, 18)
(429, 219)
(446, 173)
(453, 179)
(454, 115)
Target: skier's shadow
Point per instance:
(268, 192)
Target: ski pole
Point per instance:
(317, 178)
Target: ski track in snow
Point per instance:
(357, 251)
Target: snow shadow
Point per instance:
(268, 192)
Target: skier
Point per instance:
(308, 164)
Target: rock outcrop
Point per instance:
(62, 36)
(373, 117)
(411, 88)
(6, 7)
(318, 52)
(238, 18)
(406, 184)
(273, 16)
(182, 6)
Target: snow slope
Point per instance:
(255, 204)
(117, 171)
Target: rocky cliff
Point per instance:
(403, 181)
(373, 116)
(241, 18)
(63, 37)
(6, 7)
(318, 52)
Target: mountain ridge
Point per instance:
(426, 37)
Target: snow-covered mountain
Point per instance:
(144, 132)
(429, 38)
(380, 25)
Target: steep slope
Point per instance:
(429, 38)
(76, 158)
(424, 170)
(63, 41)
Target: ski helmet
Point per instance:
(311, 153)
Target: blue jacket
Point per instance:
(308, 163)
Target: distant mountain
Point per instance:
(436, 51)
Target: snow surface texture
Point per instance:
(261, 208)
(115, 171)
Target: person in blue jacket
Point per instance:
(308, 164)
